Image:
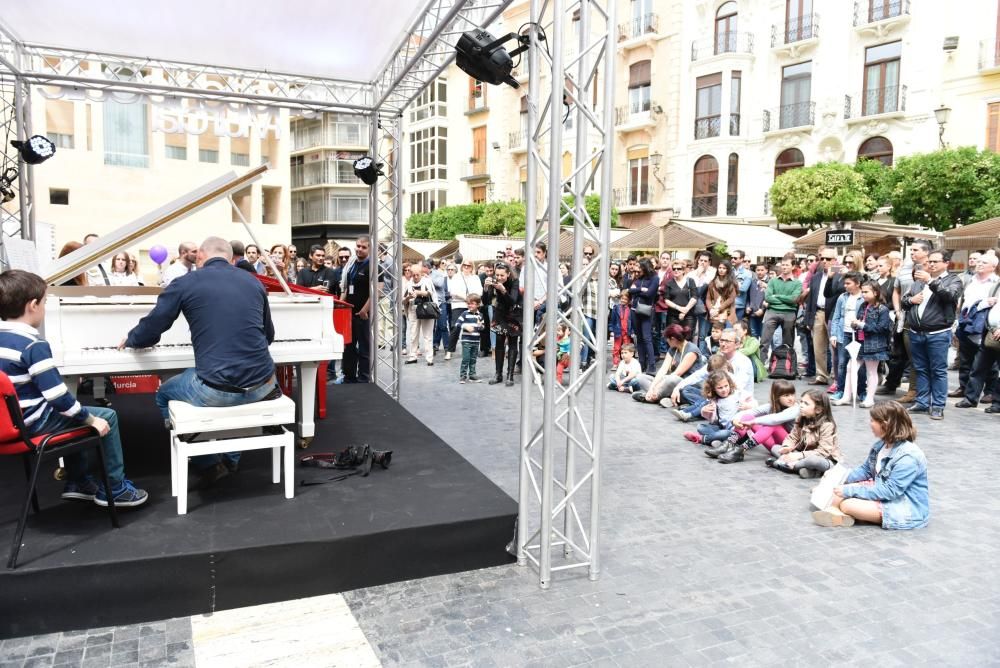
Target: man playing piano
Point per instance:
(230, 321)
(46, 403)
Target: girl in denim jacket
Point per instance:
(890, 487)
(723, 405)
(812, 447)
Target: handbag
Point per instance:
(989, 341)
(699, 306)
(426, 309)
(645, 310)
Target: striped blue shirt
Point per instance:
(27, 359)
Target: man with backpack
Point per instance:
(781, 301)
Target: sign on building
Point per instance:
(840, 237)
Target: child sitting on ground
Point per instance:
(767, 425)
(621, 326)
(624, 379)
(720, 410)
(890, 487)
(812, 447)
(692, 399)
(562, 355)
(46, 403)
(750, 346)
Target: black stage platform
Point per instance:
(243, 543)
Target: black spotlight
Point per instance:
(481, 56)
(368, 170)
(36, 150)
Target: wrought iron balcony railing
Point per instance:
(634, 111)
(874, 101)
(734, 125)
(795, 30)
(872, 11)
(730, 41)
(517, 139)
(800, 114)
(707, 126)
(989, 54)
(632, 196)
(639, 26)
(704, 206)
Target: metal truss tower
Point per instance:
(562, 427)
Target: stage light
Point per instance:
(36, 150)
(7, 185)
(481, 56)
(368, 170)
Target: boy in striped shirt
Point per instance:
(46, 403)
(471, 325)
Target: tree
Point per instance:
(503, 218)
(418, 226)
(592, 203)
(448, 222)
(823, 193)
(946, 188)
(878, 179)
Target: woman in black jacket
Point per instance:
(502, 291)
(643, 293)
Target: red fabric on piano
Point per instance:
(341, 309)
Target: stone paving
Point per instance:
(701, 563)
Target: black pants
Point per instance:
(455, 333)
(967, 349)
(984, 376)
(357, 354)
(506, 343)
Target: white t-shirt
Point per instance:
(851, 305)
(174, 271)
(626, 368)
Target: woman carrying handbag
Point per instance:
(422, 314)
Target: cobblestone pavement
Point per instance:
(701, 563)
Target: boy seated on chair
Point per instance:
(46, 403)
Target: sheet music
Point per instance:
(22, 254)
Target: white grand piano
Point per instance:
(84, 324)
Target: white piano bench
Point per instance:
(188, 420)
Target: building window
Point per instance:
(479, 194)
(884, 9)
(708, 106)
(638, 182)
(59, 124)
(126, 134)
(239, 159)
(704, 201)
(428, 154)
(993, 126)
(432, 101)
(798, 20)
(790, 158)
(881, 79)
(796, 93)
(60, 140)
(725, 28)
(876, 148)
(733, 187)
(59, 196)
(208, 155)
(477, 94)
(638, 87)
(428, 200)
(319, 207)
(735, 86)
(176, 152)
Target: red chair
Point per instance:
(35, 450)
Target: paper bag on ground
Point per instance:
(822, 493)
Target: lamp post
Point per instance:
(654, 162)
(941, 115)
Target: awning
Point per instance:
(866, 234)
(755, 240)
(976, 236)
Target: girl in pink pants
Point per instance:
(766, 425)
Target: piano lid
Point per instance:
(104, 247)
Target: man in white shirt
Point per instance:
(978, 295)
(742, 371)
(98, 274)
(986, 360)
(187, 256)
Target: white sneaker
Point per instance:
(867, 403)
(447, 356)
(843, 401)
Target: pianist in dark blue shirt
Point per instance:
(230, 321)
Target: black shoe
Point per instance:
(720, 449)
(937, 413)
(496, 379)
(731, 456)
(987, 399)
(992, 409)
(885, 390)
(639, 396)
(917, 408)
(769, 462)
(965, 403)
(957, 392)
(413, 361)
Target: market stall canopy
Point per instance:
(756, 241)
(869, 236)
(976, 236)
(332, 40)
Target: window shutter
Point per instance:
(709, 80)
(993, 127)
(639, 74)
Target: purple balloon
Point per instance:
(158, 254)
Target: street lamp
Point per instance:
(654, 161)
(941, 115)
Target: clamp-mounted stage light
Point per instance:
(482, 57)
(36, 150)
(7, 185)
(368, 170)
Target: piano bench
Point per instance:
(228, 425)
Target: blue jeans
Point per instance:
(78, 466)
(189, 388)
(713, 432)
(756, 326)
(441, 331)
(929, 353)
(691, 394)
(585, 351)
(632, 385)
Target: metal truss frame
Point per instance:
(559, 497)
(17, 220)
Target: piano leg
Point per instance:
(305, 402)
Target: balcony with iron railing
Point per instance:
(734, 125)
(638, 30)
(707, 126)
(731, 204)
(631, 197)
(729, 42)
(796, 33)
(767, 204)
(323, 174)
(704, 206)
(636, 115)
(868, 13)
(330, 211)
(989, 56)
(332, 135)
(475, 169)
(517, 142)
(801, 115)
(886, 101)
